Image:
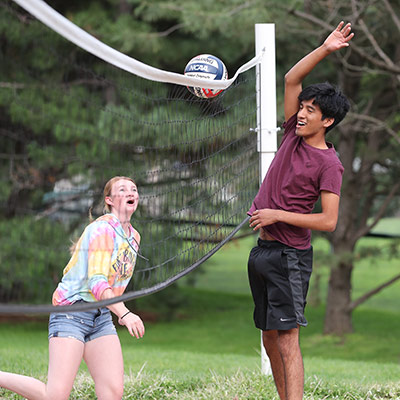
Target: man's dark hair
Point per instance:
(332, 102)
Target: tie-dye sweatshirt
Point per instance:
(104, 257)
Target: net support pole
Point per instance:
(266, 118)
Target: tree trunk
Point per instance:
(338, 313)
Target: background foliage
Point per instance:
(38, 152)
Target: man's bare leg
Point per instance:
(270, 341)
(289, 349)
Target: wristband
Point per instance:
(125, 315)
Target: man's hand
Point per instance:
(323, 221)
(263, 217)
(339, 38)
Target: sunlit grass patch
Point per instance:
(238, 386)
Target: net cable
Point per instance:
(195, 163)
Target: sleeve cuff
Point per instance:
(99, 288)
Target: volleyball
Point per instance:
(206, 66)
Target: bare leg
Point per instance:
(270, 341)
(65, 356)
(289, 348)
(103, 357)
(25, 386)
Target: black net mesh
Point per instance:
(70, 123)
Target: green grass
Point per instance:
(388, 226)
(226, 272)
(212, 350)
(368, 273)
(178, 370)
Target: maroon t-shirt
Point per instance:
(294, 181)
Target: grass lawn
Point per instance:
(212, 350)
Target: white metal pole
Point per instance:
(266, 117)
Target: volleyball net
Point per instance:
(71, 121)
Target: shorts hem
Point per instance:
(89, 339)
(65, 335)
(286, 327)
(281, 327)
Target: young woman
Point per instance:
(100, 268)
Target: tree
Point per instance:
(166, 34)
(63, 119)
(368, 72)
(368, 141)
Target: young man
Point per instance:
(305, 168)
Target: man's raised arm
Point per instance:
(338, 39)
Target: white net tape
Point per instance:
(48, 16)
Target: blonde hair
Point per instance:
(106, 208)
(108, 188)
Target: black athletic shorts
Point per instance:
(279, 276)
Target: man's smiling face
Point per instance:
(309, 120)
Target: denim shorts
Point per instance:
(82, 325)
